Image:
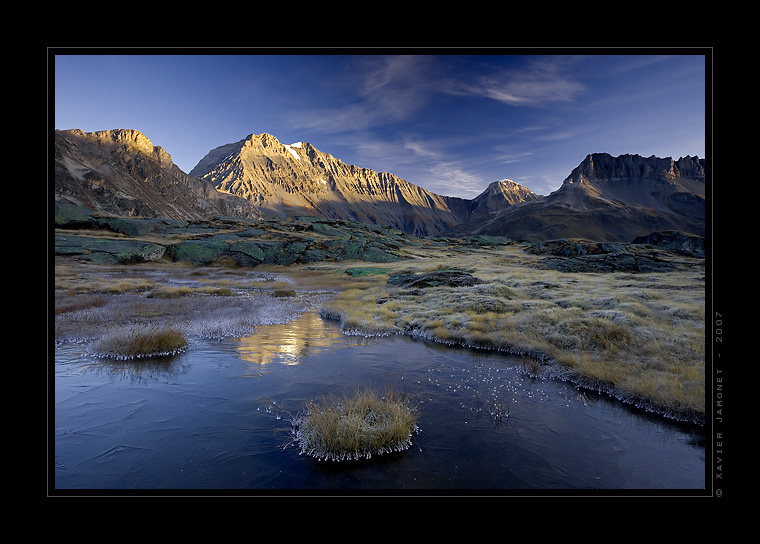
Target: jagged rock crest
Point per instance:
(612, 199)
(605, 198)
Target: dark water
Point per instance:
(217, 418)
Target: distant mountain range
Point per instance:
(605, 198)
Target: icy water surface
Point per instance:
(216, 418)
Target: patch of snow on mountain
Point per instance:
(292, 151)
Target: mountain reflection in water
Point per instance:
(289, 343)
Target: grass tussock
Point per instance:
(142, 342)
(68, 303)
(170, 292)
(352, 428)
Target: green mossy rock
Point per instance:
(71, 216)
(449, 278)
(200, 252)
(225, 241)
(105, 251)
(359, 272)
(247, 253)
(375, 252)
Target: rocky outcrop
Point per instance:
(679, 242)
(107, 250)
(220, 241)
(448, 278)
(573, 255)
(603, 168)
(121, 172)
(224, 241)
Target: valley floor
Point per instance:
(639, 336)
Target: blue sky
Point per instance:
(451, 123)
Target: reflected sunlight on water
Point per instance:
(289, 343)
(198, 421)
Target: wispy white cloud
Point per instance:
(386, 80)
(543, 80)
(445, 172)
(349, 118)
(449, 178)
(513, 158)
(422, 148)
(428, 163)
(374, 91)
(433, 120)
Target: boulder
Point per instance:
(107, 251)
(449, 278)
(375, 252)
(70, 216)
(200, 252)
(680, 242)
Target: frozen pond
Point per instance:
(216, 420)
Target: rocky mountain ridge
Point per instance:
(298, 179)
(120, 172)
(605, 198)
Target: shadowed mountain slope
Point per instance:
(121, 172)
(608, 198)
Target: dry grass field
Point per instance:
(637, 336)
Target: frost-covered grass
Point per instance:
(198, 303)
(65, 305)
(640, 337)
(350, 428)
(139, 342)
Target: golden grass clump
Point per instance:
(66, 303)
(170, 292)
(352, 428)
(142, 342)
